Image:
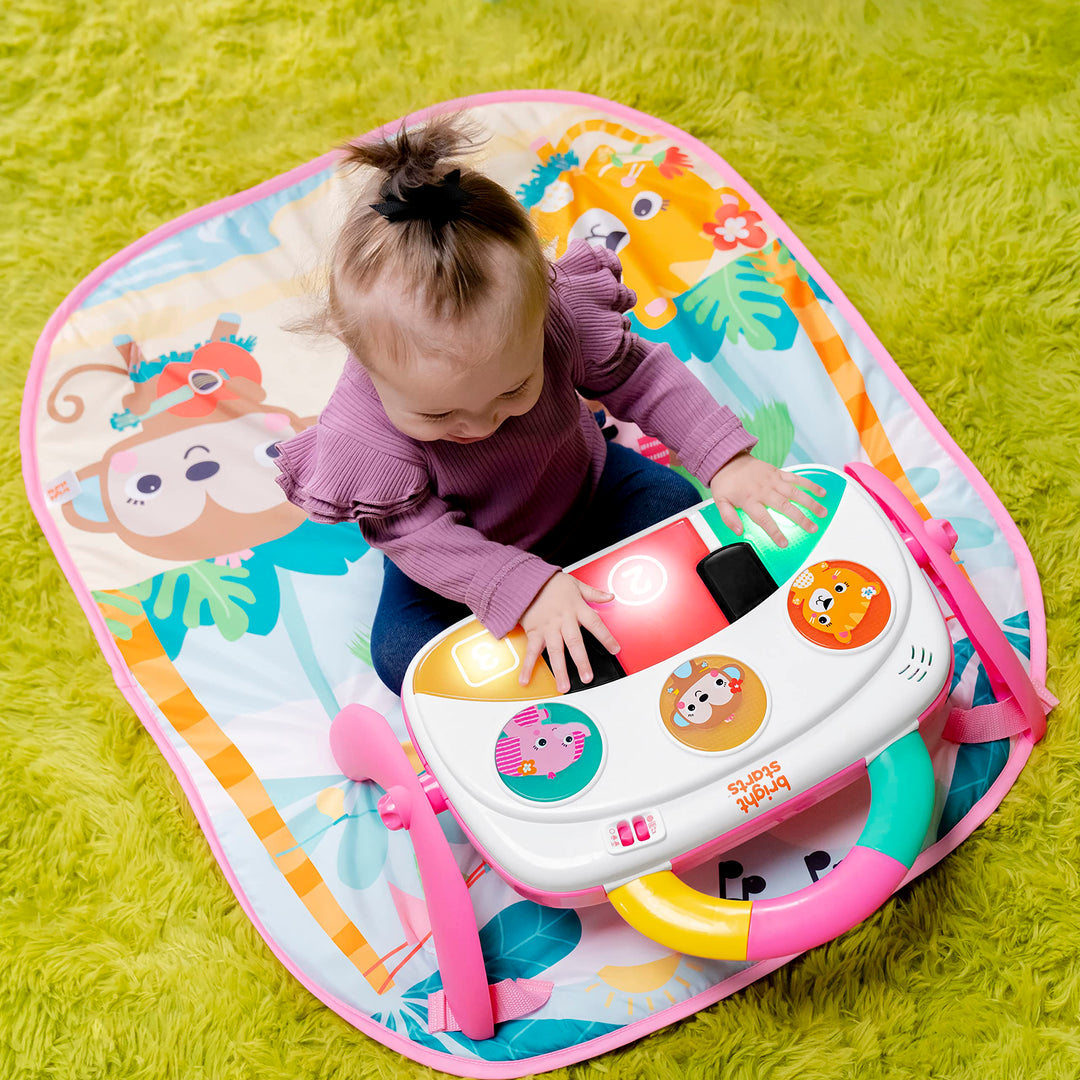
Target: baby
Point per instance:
(457, 435)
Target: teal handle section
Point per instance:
(901, 799)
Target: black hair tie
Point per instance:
(438, 203)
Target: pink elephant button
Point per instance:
(548, 752)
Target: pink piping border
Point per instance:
(456, 1064)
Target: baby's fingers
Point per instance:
(789, 509)
(532, 654)
(557, 659)
(803, 482)
(758, 513)
(576, 646)
(598, 628)
(804, 498)
(729, 517)
(591, 594)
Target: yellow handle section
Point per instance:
(663, 908)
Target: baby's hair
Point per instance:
(446, 267)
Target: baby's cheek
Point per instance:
(126, 461)
(275, 421)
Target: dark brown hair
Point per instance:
(447, 268)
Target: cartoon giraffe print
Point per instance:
(842, 370)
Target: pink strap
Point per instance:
(995, 720)
(930, 543)
(510, 999)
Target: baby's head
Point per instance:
(439, 287)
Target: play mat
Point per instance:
(237, 629)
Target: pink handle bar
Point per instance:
(665, 908)
(930, 543)
(365, 748)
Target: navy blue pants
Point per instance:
(633, 493)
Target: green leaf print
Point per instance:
(360, 646)
(120, 630)
(730, 301)
(118, 601)
(783, 256)
(207, 583)
(775, 432)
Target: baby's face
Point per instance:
(465, 396)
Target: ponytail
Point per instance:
(434, 223)
(415, 158)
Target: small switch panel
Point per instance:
(631, 832)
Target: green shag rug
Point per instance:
(928, 156)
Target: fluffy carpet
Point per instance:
(926, 155)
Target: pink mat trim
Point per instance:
(456, 1064)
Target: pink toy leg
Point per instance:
(365, 748)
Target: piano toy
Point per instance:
(753, 681)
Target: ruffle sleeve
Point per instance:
(589, 283)
(336, 477)
(637, 379)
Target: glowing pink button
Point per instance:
(625, 835)
(641, 829)
(661, 605)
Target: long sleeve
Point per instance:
(434, 546)
(336, 476)
(641, 380)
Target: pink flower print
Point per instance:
(673, 163)
(734, 226)
(234, 559)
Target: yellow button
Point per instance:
(471, 663)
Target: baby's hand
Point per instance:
(554, 620)
(755, 485)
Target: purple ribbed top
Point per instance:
(460, 519)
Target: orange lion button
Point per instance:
(839, 604)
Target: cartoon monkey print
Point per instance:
(196, 478)
(713, 703)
